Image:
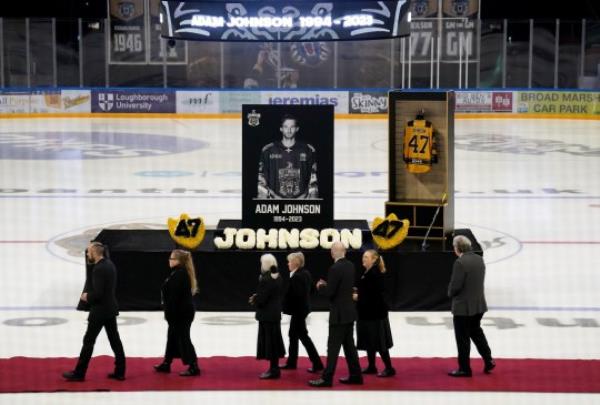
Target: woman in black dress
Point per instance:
(373, 326)
(177, 292)
(267, 301)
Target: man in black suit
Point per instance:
(468, 306)
(296, 303)
(342, 314)
(100, 295)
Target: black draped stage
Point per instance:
(415, 280)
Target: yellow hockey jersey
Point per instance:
(420, 147)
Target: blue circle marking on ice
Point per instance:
(163, 173)
(72, 145)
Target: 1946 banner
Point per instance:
(128, 31)
(287, 162)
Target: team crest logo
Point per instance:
(253, 118)
(289, 181)
(424, 8)
(126, 10)
(310, 54)
(106, 101)
(460, 8)
(187, 232)
(390, 231)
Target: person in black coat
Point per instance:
(296, 303)
(342, 314)
(466, 289)
(177, 296)
(373, 327)
(99, 293)
(267, 301)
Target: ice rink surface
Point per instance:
(528, 188)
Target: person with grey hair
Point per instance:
(342, 314)
(267, 301)
(466, 289)
(296, 303)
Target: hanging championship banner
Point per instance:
(423, 29)
(176, 53)
(127, 40)
(287, 166)
(285, 20)
(459, 30)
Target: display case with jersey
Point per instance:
(421, 162)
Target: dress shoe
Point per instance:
(459, 373)
(388, 372)
(190, 372)
(73, 376)
(369, 370)
(116, 376)
(288, 367)
(351, 380)
(269, 375)
(315, 369)
(163, 367)
(320, 383)
(489, 367)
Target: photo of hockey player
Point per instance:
(287, 168)
(287, 165)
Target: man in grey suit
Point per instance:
(342, 314)
(468, 306)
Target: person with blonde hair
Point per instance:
(177, 297)
(296, 303)
(373, 326)
(267, 301)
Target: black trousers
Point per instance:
(467, 328)
(341, 336)
(89, 339)
(179, 343)
(298, 332)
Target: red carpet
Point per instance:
(22, 374)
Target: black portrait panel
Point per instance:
(287, 166)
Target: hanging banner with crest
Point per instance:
(288, 20)
(127, 31)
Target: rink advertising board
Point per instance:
(131, 101)
(338, 99)
(558, 102)
(194, 102)
(365, 102)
